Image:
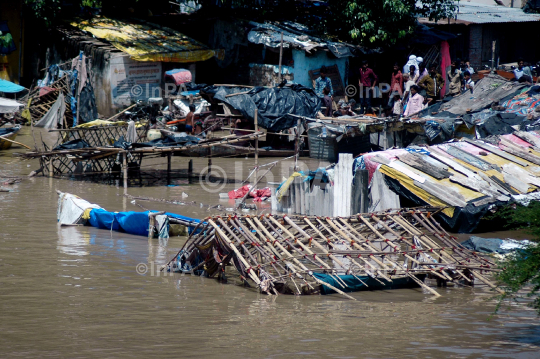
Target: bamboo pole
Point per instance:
(124, 160)
(256, 146)
(238, 254)
(15, 142)
(254, 186)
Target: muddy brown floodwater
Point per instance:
(76, 292)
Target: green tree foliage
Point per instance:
(521, 275)
(382, 22)
(49, 11)
(366, 22)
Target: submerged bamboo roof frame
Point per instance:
(280, 254)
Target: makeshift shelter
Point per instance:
(307, 52)
(466, 178)
(127, 58)
(147, 42)
(275, 105)
(323, 255)
(478, 25)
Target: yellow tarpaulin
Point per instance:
(101, 123)
(283, 189)
(148, 42)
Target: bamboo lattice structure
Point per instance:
(309, 255)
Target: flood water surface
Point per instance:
(85, 292)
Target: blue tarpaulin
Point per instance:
(10, 87)
(354, 285)
(136, 223)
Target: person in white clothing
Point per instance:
(407, 84)
(468, 83)
(412, 61)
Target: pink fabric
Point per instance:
(415, 105)
(257, 194)
(445, 64)
(240, 192)
(518, 141)
(372, 166)
(45, 90)
(396, 84)
(181, 77)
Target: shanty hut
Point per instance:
(128, 59)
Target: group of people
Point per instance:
(412, 88)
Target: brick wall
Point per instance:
(475, 45)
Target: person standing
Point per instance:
(397, 109)
(468, 83)
(327, 102)
(415, 103)
(422, 72)
(411, 62)
(455, 78)
(367, 82)
(322, 82)
(432, 83)
(396, 83)
(190, 120)
(407, 86)
(468, 67)
(413, 74)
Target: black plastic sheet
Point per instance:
(72, 145)
(275, 105)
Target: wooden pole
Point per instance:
(256, 147)
(493, 45)
(18, 143)
(190, 170)
(169, 155)
(297, 144)
(121, 112)
(125, 172)
(280, 57)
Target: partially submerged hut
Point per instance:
(323, 255)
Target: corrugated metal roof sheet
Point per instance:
(483, 14)
(148, 42)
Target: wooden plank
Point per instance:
(528, 137)
(494, 184)
(442, 156)
(453, 198)
(423, 166)
(522, 174)
(483, 201)
(470, 158)
(503, 185)
(496, 151)
(526, 156)
(478, 186)
(515, 183)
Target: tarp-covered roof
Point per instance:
(490, 89)
(298, 36)
(274, 105)
(148, 42)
